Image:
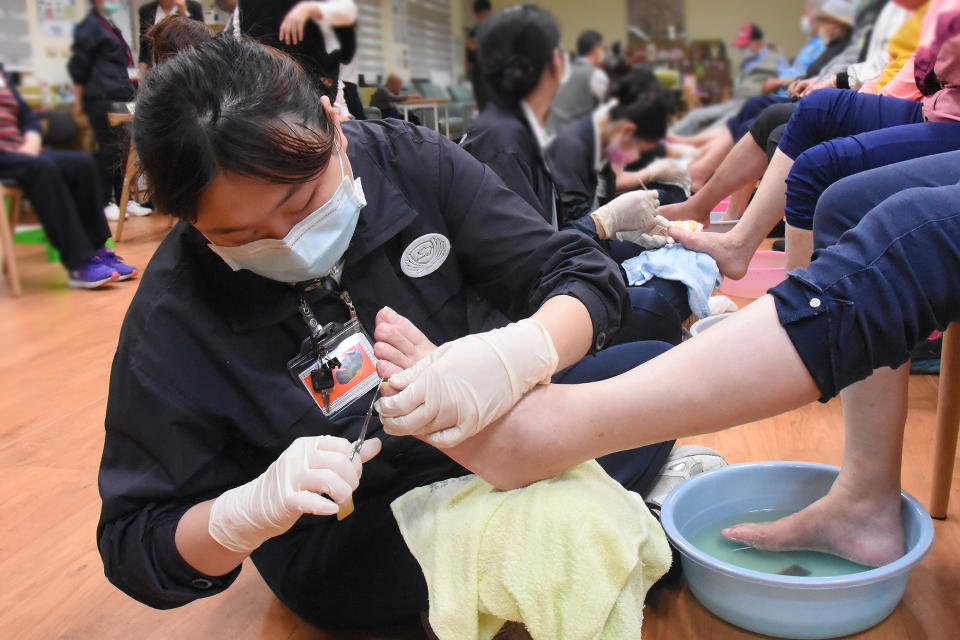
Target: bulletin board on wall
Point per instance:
(16, 51)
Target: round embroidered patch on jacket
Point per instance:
(424, 255)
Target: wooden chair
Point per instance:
(116, 120)
(6, 235)
(948, 421)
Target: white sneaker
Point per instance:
(683, 463)
(137, 209)
(112, 211)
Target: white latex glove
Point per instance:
(466, 384)
(632, 211)
(667, 170)
(245, 517)
(653, 239)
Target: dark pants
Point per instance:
(740, 124)
(836, 113)
(883, 278)
(394, 113)
(344, 580)
(112, 149)
(820, 166)
(64, 188)
(351, 95)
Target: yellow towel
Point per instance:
(571, 557)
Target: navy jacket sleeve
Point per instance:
(514, 257)
(143, 501)
(26, 119)
(80, 65)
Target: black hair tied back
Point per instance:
(228, 105)
(515, 46)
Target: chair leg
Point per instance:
(6, 241)
(948, 421)
(125, 192)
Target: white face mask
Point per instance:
(312, 247)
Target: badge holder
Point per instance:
(336, 365)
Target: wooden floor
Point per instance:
(57, 345)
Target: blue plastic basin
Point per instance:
(776, 605)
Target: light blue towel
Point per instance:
(674, 262)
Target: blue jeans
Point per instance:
(635, 469)
(820, 166)
(835, 113)
(874, 291)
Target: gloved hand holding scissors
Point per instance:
(313, 475)
(464, 385)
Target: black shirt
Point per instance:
(261, 20)
(200, 400)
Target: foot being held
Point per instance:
(399, 344)
(867, 530)
(687, 210)
(733, 257)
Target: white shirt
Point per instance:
(543, 141)
(161, 14)
(599, 83)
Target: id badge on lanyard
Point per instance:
(336, 365)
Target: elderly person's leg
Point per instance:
(744, 165)
(822, 116)
(740, 169)
(712, 156)
(826, 163)
(861, 305)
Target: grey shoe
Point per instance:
(683, 463)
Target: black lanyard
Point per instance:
(322, 377)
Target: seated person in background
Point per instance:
(587, 85)
(64, 188)
(760, 63)
(220, 443)
(588, 156)
(388, 95)
(519, 49)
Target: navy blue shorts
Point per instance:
(836, 113)
(821, 165)
(885, 284)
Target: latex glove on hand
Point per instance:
(653, 239)
(466, 384)
(632, 211)
(669, 171)
(245, 517)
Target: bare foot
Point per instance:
(399, 344)
(732, 257)
(865, 531)
(687, 210)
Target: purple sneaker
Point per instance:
(109, 258)
(92, 274)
